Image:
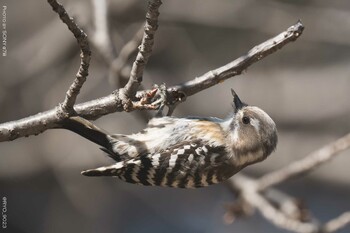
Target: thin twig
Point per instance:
(337, 223)
(306, 164)
(237, 66)
(290, 206)
(118, 64)
(101, 36)
(79, 34)
(248, 191)
(276, 216)
(145, 50)
(97, 108)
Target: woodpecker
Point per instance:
(189, 152)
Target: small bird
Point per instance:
(189, 152)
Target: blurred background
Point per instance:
(305, 87)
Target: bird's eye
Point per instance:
(246, 120)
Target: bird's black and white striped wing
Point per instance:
(186, 165)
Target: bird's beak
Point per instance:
(238, 104)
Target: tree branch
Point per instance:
(275, 206)
(119, 63)
(97, 108)
(101, 35)
(247, 189)
(270, 205)
(79, 34)
(237, 66)
(145, 50)
(306, 164)
(40, 122)
(337, 223)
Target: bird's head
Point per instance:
(252, 133)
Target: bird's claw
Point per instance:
(153, 99)
(157, 99)
(160, 98)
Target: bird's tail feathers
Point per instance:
(113, 155)
(87, 130)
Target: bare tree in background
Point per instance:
(275, 206)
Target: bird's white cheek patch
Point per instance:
(255, 123)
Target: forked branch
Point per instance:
(94, 109)
(67, 106)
